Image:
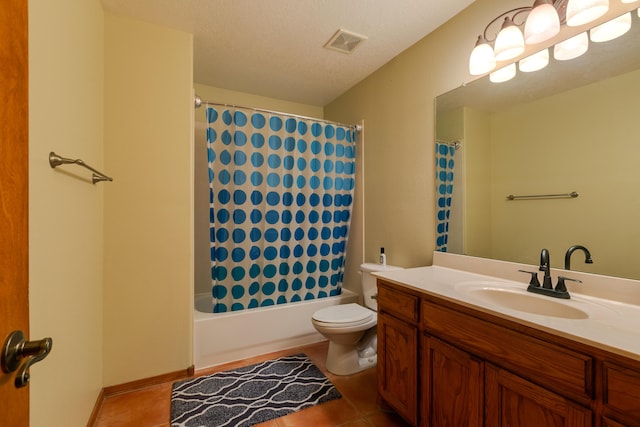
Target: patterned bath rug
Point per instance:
(250, 395)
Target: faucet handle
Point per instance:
(561, 287)
(534, 278)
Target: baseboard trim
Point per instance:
(147, 382)
(117, 389)
(93, 419)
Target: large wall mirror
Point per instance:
(572, 127)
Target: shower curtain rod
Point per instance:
(455, 144)
(198, 103)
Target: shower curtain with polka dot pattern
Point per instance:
(444, 190)
(281, 194)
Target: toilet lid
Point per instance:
(343, 313)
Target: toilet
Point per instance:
(351, 328)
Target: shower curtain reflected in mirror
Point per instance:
(445, 163)
(281, 194)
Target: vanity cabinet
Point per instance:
(398, 351)
(475, 369)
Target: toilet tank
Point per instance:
(369, 288)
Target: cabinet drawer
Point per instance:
(548, 365)
(622, 392)
(398, 303)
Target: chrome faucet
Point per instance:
(560, 291)
(571, 250)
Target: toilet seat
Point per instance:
(343, 315)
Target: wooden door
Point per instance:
(453, 386)
(14, 253)
(515, 402)
(398, 366)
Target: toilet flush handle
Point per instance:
(374, 296)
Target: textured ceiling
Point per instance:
(275, 48)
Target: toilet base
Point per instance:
(344, 360)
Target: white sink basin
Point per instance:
(503, 295)
(527, 302)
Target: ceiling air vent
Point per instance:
(344, 41)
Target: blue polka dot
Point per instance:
(275, 123)
(302, 164)
(239, 197)
(219, 291)
(272, 217)
(329, 131)
(256, 178)
(257, 159)
(269, 271)
(212, 115)
(224, 177)
(274, 161)
(255, 253)
(328, 149)
(315, 165)
(254, 271)
(239, 177)
(273, 179)
(238, 254)
(288, 162)
(226, 117)
(254, 288)
(257, 140)
(302, 145)
(222, 235)
(237, 273)
(316, 129)
(287, 199)
(289, 143)
(224, 196)
(271, 235)
(226, 137)
(239, 235)
(268, 288)
(258, 120)
(302, 128)
(270, 253)
(287, 180)
(240, 138)
(301, 182)
(239, 216)
(256, 197)
(290, 125)
(283, 286)
(275, 142)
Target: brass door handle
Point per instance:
(16, 348)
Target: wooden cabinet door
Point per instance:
(514, 402)
(398, 366)
(453, 386)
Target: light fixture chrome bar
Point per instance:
(56, 160)
(571, 195)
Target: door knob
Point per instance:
(16, 348)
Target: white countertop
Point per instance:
(610, 325)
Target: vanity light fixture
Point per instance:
(534, 62)
(571, 48)
(503, 74)
(543, 21)
(611, 29)
(580, 12)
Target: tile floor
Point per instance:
(149, 407)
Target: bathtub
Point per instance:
(226, 337)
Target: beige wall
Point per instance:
(148, 231)
(66, 210)
(397, 104)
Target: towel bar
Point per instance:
(56, 160)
